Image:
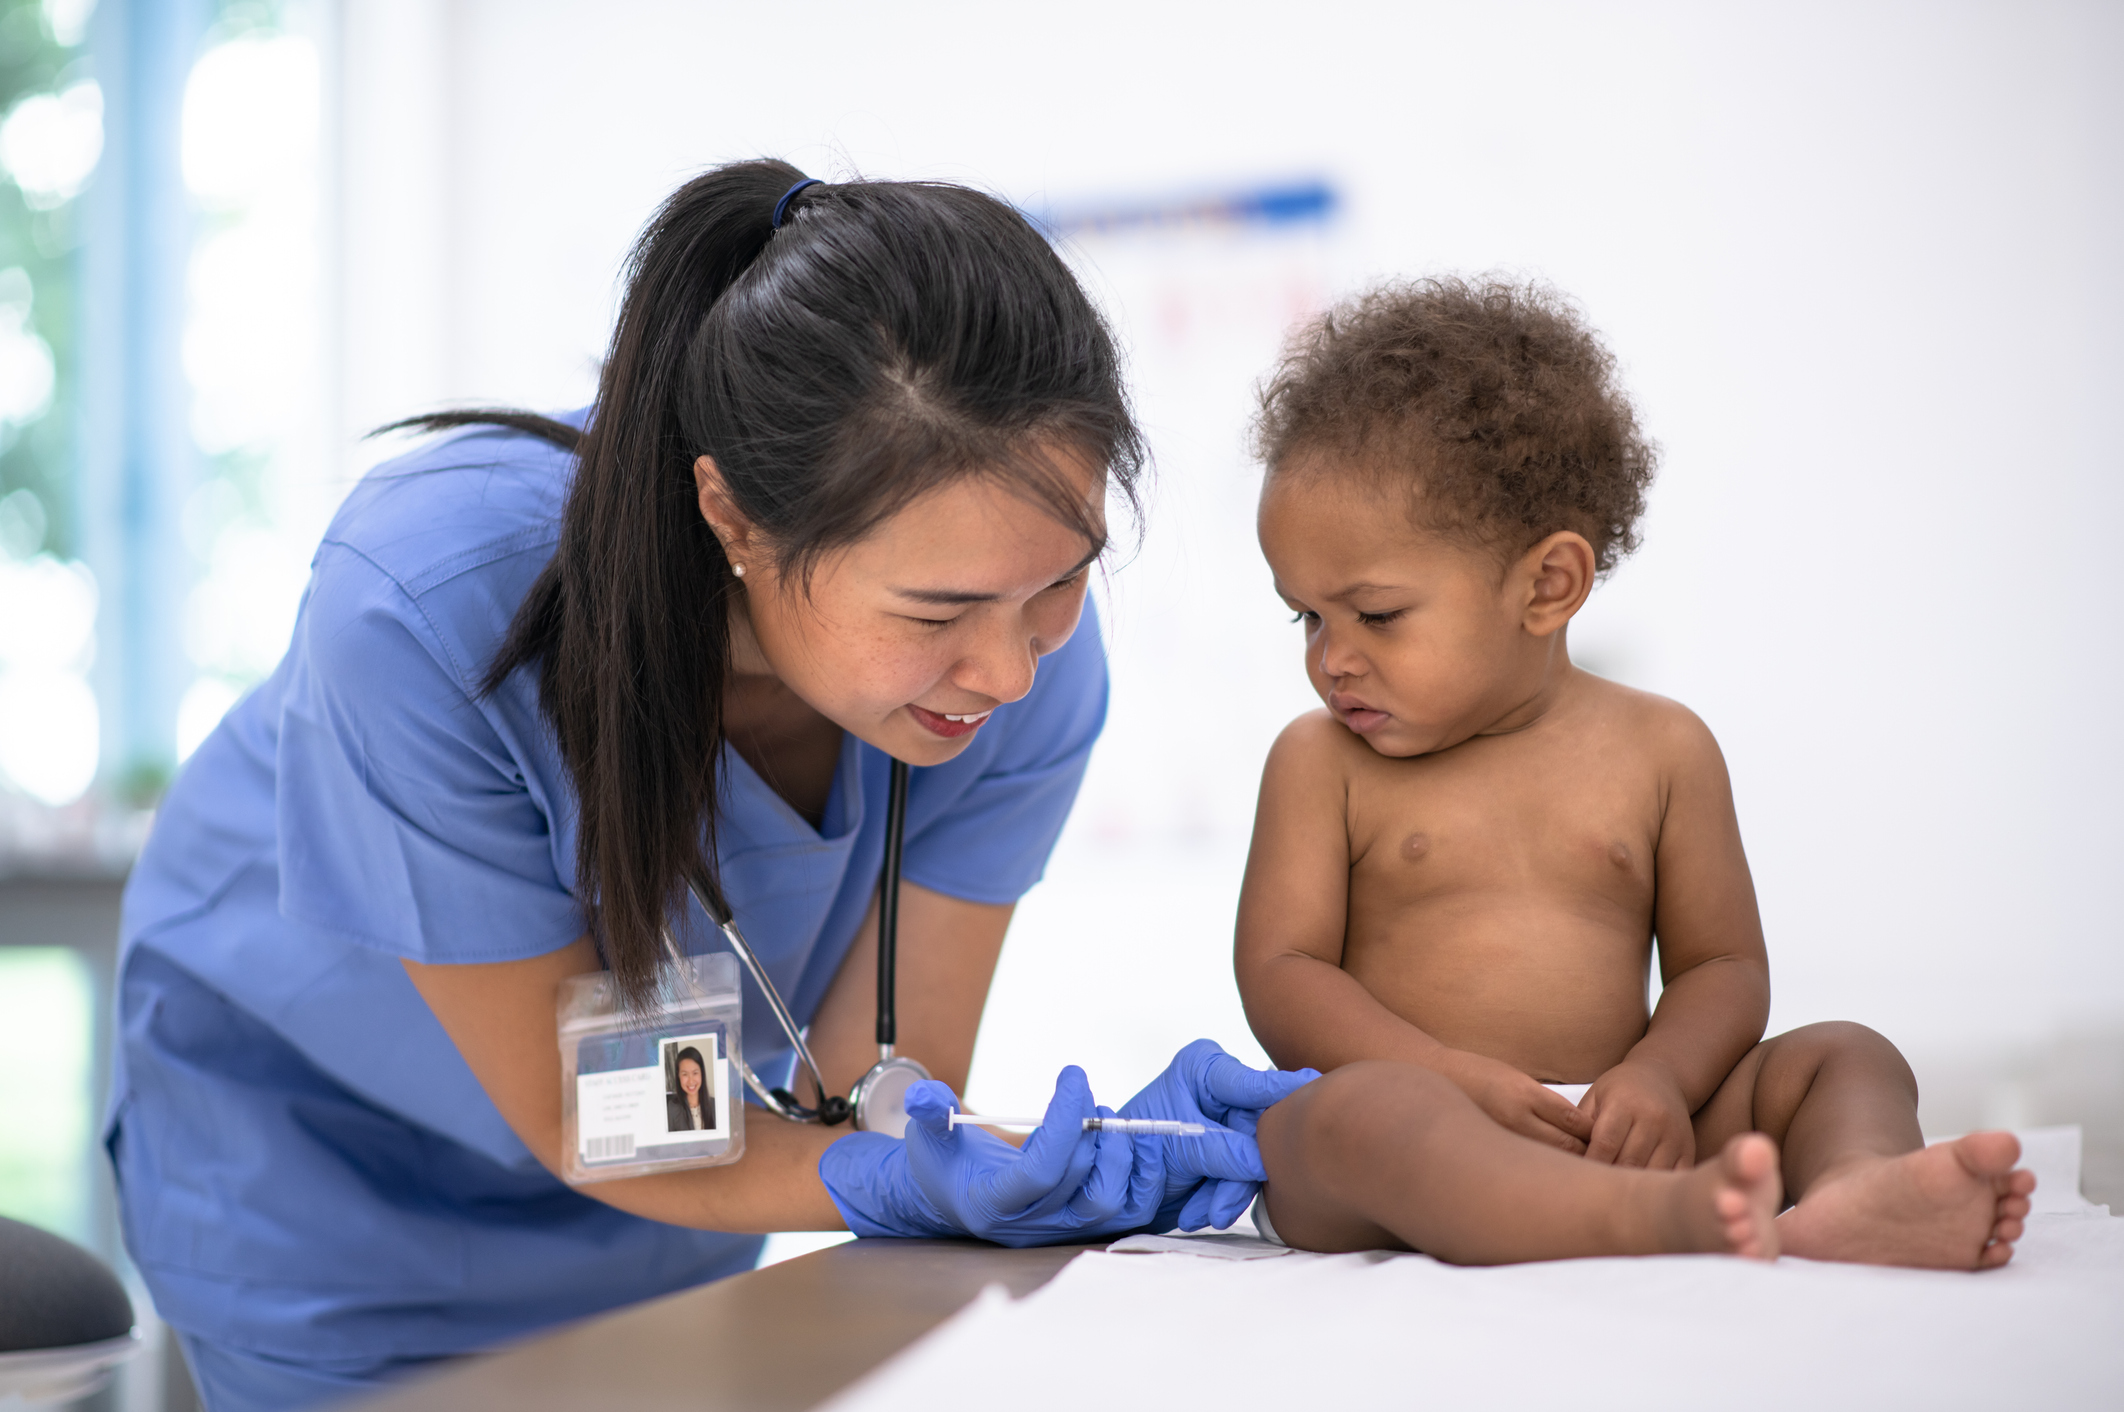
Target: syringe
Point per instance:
(1141, 1127)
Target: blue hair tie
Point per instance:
(781, 207)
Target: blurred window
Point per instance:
(253, 331)
(219, 540)
(47, 1064)
(51, 135)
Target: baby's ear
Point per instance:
(1554, 578)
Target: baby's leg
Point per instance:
(1842, 1105)
(1380, 1155)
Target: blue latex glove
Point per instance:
(1208, 1180)
(941, 1182)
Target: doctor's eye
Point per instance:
(1380, 620)
(1302, 616)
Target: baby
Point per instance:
(1461, 866)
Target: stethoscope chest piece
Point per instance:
(880, 1096)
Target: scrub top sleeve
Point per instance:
(404, 822)
(991, 843)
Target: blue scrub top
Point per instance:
(307, 1167)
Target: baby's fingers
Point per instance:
(1643, 1147)
(1562, 1114)
(1531, 1124)
(1610, 1131)
(1676, 1152)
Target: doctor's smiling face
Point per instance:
(911, 636)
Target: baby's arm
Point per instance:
(1712, 962)
(1293, 909)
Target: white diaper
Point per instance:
(1261, 1221)
(1571, 1092)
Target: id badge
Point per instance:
(649, 1089)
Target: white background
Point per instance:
(1860, 264)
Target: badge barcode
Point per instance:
(598, 1149)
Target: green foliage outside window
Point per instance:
(40, 227)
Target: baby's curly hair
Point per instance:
(1492, 401)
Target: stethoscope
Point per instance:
(878, 1102)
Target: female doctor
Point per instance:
(835, 505)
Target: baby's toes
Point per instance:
(2015, 1206)
(2018, 1182)
(1995, 1255)
(2009, 1228)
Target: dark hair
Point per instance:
(1492, 401)
(888, 338)
(689, 1052)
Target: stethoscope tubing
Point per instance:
(889, 911)
(831, 1109)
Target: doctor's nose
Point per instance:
(1001, 666)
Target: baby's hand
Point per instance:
(1517, 1102)
(1640, 1119)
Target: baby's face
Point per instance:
(1412, 640)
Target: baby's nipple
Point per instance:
(1415, 846)
(1619, 855)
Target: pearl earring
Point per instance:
(738, 569)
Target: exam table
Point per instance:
(780, 1339)
(1067, 1326)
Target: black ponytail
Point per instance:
(889, 338)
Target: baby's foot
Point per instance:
(1728, 1204)
(1955, 1206)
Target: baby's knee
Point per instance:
(1848, 1040)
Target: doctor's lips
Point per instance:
(1355, 714)
(947, 724)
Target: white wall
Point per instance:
(1860, 263)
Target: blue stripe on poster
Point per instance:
(1305, 202)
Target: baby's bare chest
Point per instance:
(1507, 829)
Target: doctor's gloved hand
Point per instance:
(940, 1181)
(1208, 1180)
